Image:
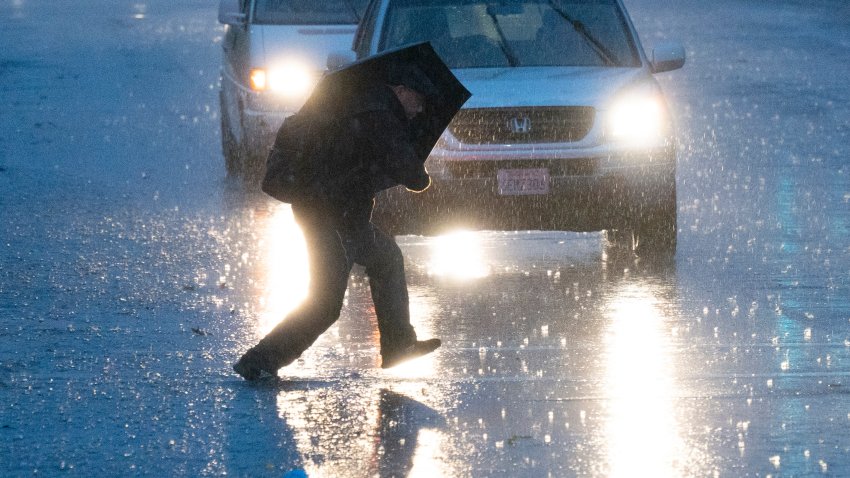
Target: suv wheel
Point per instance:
(253, 168)
(229, 146)
(650, 232)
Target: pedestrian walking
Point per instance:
(372, 143)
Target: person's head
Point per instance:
(412, 87)
(412, 100)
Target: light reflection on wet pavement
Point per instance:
(132, 276)
(567, 356)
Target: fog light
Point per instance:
(259, 80)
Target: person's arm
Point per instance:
(395, 155)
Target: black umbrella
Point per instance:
(346, 91)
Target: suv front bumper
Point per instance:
(584, 194)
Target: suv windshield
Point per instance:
(309, 12)
(479, 34)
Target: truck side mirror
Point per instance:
(667, 57)
(339, 59)
(230, 14)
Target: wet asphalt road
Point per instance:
(133, 273)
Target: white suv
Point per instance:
(274, 53)
(567, 128)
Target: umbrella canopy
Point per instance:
(346, 91)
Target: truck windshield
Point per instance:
(309, 12)
(500, 33)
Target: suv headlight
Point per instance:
(289, 80)
(638, 119)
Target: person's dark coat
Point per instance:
(369, 149)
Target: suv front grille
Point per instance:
(522, 125)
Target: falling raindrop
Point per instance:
(775, 460)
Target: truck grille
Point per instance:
(522, 125)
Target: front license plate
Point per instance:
(519, 182)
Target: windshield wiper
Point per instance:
(503, 42)
(579, 27)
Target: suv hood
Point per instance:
(549, 86)
(308, 43)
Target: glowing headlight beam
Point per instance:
(637, 119)
(458, 255)
(291, 80)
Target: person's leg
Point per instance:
(385, 269)
(329, 271)
(384, 264)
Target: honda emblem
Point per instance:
(520, 124)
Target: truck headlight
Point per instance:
(290, 80)
(637, 119)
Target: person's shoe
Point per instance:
(252, 365)
(418, 349)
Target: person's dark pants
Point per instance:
(334, 245)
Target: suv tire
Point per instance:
(650, 232)
(229, 146)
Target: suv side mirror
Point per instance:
(229, 13)
(667, 57)
(339, 59)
